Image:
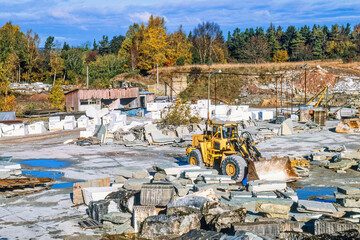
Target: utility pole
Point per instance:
(281, 92)
(305, 87)
(157, 79)
(171, 89)
(215, 91)
(276, 100)
(292, 95)
(87, 77)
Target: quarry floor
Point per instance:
(50, 214)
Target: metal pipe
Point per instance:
(208, 108)
(305, 87)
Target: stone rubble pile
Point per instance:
(185, 202)
(36, 87)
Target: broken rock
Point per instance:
(135, 184)
(140, 213)
(186, 205)
(132, 172)
(169, 225)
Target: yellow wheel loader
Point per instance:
(222, 148)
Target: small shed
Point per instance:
(81, 99)
(146, 97)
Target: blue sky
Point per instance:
(78, 21)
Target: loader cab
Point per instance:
(221, 133)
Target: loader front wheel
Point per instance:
(234, 166)
(195, 158)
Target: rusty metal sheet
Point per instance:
(10, 183)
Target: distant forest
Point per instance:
(145, 46)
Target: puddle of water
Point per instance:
(308, 192)
(182, 161)
(62, 185)
(48, 174)
(49, 163)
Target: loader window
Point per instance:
(230, 132)
(216, 132)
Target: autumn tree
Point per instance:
(256, 50)
(56, 63)
(56, 96)
(74, 65)
(130, 47)
(180, 48)
(13, 50)
(34, 60)
(155, 44)
(281, 56)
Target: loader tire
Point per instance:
(195, 158)
(234, 166)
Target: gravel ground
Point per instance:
(49, 214)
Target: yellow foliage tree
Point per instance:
(281, 56)
(338, 48)
(7, 100)
(56, 96)
(180, 48)
(179, 114)
(155, 44)
(56, 63)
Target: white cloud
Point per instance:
(142, 17)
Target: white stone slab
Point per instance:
(265, 186)
(96, 193)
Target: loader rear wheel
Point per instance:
(195, 158)
(234, 166)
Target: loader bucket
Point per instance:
(348, 126)
(272, 169)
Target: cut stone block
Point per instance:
(274, 207)
(77, 188)
(349, 202)
(159, 176)
(56, 126)
(174, 169)
(317, 206)
(290, 195)
(330, 226)
(213, 186)
(117, 217)
(192, 174)
(97, 209)
(218, 179)
(119, 179)
(267, 229)
(343, 164)
(265, 186)
(169, 225)
(135, 184)
(124, 199)
(140, 213)
(287, 127)
(304, 217)
(266, 195)
(348, 190)
(186, 205)
(182, 190)
(118, 228)
(4, 173)
(132, 172)
(240, 194)
(96, 193)
(156, 194)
